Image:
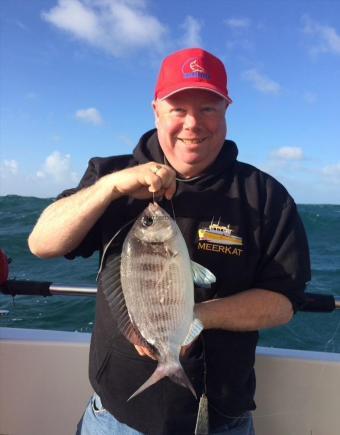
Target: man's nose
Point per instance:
(191, 120)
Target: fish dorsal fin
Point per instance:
(201, 275)
(195, 329)
(111, 285)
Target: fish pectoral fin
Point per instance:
(195, 329)
(201, 275)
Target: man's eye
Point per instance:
(208, 109)
(178, 111)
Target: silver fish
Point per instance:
(157, 280)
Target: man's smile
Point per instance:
(191, 141)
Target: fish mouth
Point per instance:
(153, 207)
(155, 212)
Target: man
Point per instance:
(237, 221)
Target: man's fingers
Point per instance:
(143, 351)
(153, 183)
(169, 183)
(171, 190)
(139, 349)
(160, 177)
(155, 168)
(142, 180)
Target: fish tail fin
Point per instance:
(180, 377)
(174, 371)
(156, 376)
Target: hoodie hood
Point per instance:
(149, 149)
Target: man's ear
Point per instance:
(154, 106)
(155, 112)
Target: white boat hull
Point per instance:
(44, 386)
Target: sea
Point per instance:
(307, 331)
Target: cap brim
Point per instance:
(204, 86)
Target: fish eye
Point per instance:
(147, 221)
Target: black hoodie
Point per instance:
(242, 225)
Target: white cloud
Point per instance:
(261, 82)
(90, 115)
(192, 34)
(325, 38)
(332, 173)
(288, 153)
(238, 23)
(73, 16)
(9, 167)
(57, 168)
(116, 26)
(238, 38)
(55, 175)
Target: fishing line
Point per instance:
(330, 344)
(202, 420)
(165, 162)
(173, 210)
(109, 243)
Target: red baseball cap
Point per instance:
(191, 68)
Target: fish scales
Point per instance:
(152, 287)
(147, 292)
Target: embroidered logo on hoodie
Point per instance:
(219, 238)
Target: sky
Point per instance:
(77, 80)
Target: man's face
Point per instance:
(191, 129)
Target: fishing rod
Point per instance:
(14, 287)
(313, 302)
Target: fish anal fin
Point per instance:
(132, 333)
(195, 329)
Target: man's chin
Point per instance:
(194, 159)
(193, 167)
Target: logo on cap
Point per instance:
(193, 69)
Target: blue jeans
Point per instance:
(242, 425)
(97, 421)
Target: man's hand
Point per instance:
(144, 180)
(144, 351)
